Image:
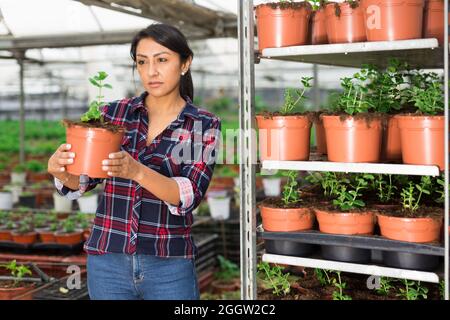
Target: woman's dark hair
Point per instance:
(171, 38)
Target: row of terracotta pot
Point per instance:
(419, 230)
(417, 139)
(44, 236)
(371, 20)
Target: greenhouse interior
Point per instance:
(315, 180)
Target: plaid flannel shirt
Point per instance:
(129, 218)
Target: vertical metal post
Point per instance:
(247, 155)
(20, 59)
(446, 78)
(316, 88)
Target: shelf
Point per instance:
(423, 53)
(353, 268)
(354, 241)
(381, 168)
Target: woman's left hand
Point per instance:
(122, 165)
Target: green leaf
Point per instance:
(95, 83)
(106, 85)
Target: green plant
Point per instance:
(328, 181)
(322, 276)
(442, 289)
(20, 168)
(35, 166)
(339, 295)
(385, 286)
(225, 171)
(427, 93)
(290, 193)
(94, 114)
(40, 220)
(349, 193)
(10, 225)
(274, 278)
(440, 189)
(353, 4)
(17, 271)
(385, 188)
(412, 194)
(54, 226)
(317, 4)
(413, 290)
(25, 226)
(228, 269)
(290, 101)
(69, 226)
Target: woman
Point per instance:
(141, 245)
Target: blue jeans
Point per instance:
(117, 276)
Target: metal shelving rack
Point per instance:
(424, 53)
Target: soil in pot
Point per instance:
(353, 139)
(92, 143)
(344, 23)
(9, 291)
(277, 216)
(390, 20)
(69, 238)
(284, 137)
(282, 24)
(422, 139)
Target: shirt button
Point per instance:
(133, 242)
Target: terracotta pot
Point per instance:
(69, 238)
(91, 146)
(321, 141)
(282, 27)
(5, 235)
(391, 147)
(433, 20)
(11, 293)
(46, 236)
(281, 220)
(345, 222)
(352, 140)
(346, 28)
(26, 238)
(422, 139)
(38, 177)
(223, 182)
(319, 27)
(284, 137)
(390, 20)
(219, 286)
(410, 229)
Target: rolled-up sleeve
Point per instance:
(195, 176)
(75, 194)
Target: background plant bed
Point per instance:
(69, 238)
(24, 238)
(8, 291)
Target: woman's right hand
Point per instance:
(58, 161)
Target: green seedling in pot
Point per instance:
(349, 194)
(413, 290)
(228, 269)
(323, 276)
(411, 195)
(94, 113)
(385, 286)
(384, 187)
(339, 295)
(290, 193)
(17, 271)
(274, 278)
(292, 97)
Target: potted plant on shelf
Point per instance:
(227, 278)
(413, 223)
(47, 234)
(345, 22)
(272, 185)
(353, 131)
(10, 289)
(347, 216)
(390, 20)
(422, 133)
(385, 189)
(69, 234)
(36, 171)
(282, 23)
(19, 174)
(6, 227)
(287, 214)
(93, 139)
(219, 202)
(318, 23)
(25, 233)
(285, 135)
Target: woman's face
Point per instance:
(159, 68)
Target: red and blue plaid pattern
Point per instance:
(129, 218)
